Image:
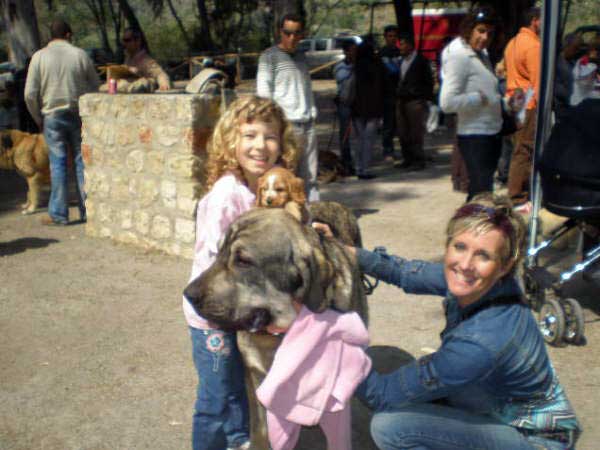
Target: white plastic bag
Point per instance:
(433, 118)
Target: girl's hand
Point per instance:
(484, 99)
(517, 101)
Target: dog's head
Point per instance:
(267, 260)
(279, 186)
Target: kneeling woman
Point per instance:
(490, 385)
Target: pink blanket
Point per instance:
(316, 369)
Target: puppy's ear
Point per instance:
(295, 209)
(259, 196)
(297, 193)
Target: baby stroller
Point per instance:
(569, 169)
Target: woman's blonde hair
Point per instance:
(487, 212)
(226, 136)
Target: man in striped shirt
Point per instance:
(283, 77)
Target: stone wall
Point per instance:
(143, 158)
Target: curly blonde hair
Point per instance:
(487, 212)
(226, 136)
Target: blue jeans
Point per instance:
(62, 131)
(429, 426)
(221, 411)
(481, 154)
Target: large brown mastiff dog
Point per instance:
(267, 259)
(28, 155)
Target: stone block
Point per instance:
(168, 192)
(185, 230)
(141, 220)
(155, 162)
(127, 237)
(86, 154)
(135, 161)
(161, 227)
(106, 213)
(126, 219)
(168, 135)
(145, 134)
(180, 166)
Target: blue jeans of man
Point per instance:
(221, 410)
(430, 426)
(62, 131)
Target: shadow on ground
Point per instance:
(23, 244)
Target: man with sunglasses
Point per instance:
(139, 61)
(283, 77)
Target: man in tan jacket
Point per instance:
(522, 57)
(58, 75)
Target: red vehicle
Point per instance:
(434, 28)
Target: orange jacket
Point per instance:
(522, 57)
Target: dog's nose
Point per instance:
(268, 201)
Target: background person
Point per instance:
(413, 91)
(470, 89)
(522, 57)
(283, 77)
(343, 72)
(390, 56)
(140, 62)
(367, 107)
(58, 75)
(491, 384)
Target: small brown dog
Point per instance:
(28, 155)
(280, 188)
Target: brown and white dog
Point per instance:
(268, 261)
(28, 155)
(280, 188)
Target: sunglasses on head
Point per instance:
(484, 16)
(288, 33)
(498, 217)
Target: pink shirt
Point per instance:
(225, 202)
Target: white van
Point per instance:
(320, 51)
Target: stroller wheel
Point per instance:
(574, 321)
(552, 321)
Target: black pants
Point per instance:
(481, 154)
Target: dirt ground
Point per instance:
(94, 349)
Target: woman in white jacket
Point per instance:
(470, 89)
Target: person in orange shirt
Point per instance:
(522, 58)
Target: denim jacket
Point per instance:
(492, 361)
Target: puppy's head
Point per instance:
(279, 186)
(254, 280)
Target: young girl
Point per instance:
(250, 137)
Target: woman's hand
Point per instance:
(323, 229)
(517, 101)
(484, 98)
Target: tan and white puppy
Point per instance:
(280, 188)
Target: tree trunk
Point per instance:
(20, 22)
(99, 13)
(206, 41)
(404, 20)
(186, 37)
(132, 20)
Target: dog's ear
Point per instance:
(316, 274)
(7, 142)
(297, 193)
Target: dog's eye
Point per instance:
(280, 189)
(242, 259)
